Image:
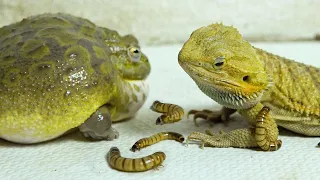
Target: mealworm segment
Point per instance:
(261, 132)
(171, 113)
(144, 142)
(116, 161)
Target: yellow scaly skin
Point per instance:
(243, 78)
(58, 71)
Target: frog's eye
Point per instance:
(134, 53)
(218, 62)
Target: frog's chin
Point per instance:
(137, 92)
(135, 72)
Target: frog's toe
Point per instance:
(109, 135)
(98, 126)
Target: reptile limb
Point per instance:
(264, 135)
(237, 75)
(212, 116)
(99, 126)
(242, 138)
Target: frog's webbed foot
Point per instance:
(98, 126)
(109, 135)
(212, 116)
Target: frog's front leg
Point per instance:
(98, 126)
(264, 135)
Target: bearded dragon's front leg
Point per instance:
(242, 138)
(213, 116)
(264, 135)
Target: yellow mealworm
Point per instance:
(261, 132)
(134, 165)
(144, 142)
(171, 113)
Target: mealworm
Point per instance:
(261, 132)
(116, 161)
(144, 142)
(171, 113)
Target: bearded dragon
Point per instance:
(266, 89)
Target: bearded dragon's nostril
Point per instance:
(245, 78)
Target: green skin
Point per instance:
(58, 72)
(246, 80)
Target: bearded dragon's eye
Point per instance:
(218, 62)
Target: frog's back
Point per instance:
(54, 72)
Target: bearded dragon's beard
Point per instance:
(229, 99)
(226, 97)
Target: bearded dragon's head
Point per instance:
(224, 66)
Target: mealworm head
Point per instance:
(153, 104)
(114, 149)
(181, 139)
(279, 144)
(159, 121)
(160, 156)
(135, 148)
(266, 108)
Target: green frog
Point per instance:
(59, 72)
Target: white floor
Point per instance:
(72, 157)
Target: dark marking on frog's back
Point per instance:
(57, 49)
(46, 20)
(14, 39)
(7, 60)
(100, 55)
(35, 49)
(77, 54)
(88, 32)
(12, 77)
(42, 68)
(62, 35)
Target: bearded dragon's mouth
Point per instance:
(224, 92)
(202, 75)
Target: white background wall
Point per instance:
(168, 21)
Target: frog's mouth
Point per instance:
(135, 72)
(129, 70)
